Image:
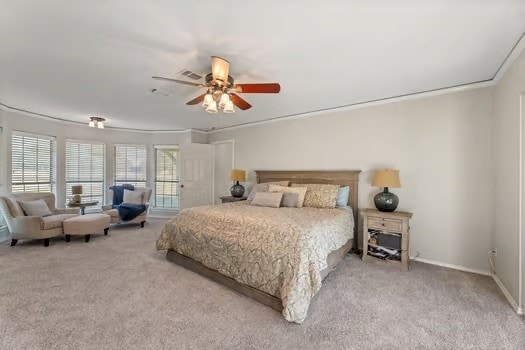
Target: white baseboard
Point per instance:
(510, 299)
(452, 266)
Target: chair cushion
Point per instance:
(35, 208)
(112, 212)
(86, 224)
(55, 221)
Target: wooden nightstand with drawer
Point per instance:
(386, 236)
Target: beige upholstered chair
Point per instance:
(115, 218)
(22, 226)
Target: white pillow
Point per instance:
(132, 197)
(267, 199)
(35, 208)
(301, 191)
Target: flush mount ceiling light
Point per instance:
(222, 90)
(96, 122)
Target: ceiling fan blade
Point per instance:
(265, 88)
(239, 102)
(180, 81)
(220, 68)
(196, 100)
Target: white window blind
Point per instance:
(130, 165)
(167, 176)
(85, 167)
(33, 163)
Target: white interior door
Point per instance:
(196, 180)
(223, 164)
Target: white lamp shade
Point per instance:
(228, 107)
(207, 100)
(224, 99)
(212, 107)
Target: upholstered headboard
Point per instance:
(336, 177)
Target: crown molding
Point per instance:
(28, 113)
(359, 105)
(518, 48)
(514, 53)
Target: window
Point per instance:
(85, 167)
(166, 177)
(130, 165)
(33, 163)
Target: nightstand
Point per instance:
(384, 233)
(230, 199)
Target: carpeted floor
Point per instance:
(117, 292)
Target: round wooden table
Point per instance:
(82, 205)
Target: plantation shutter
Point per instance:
(33, 163)
(85, 167)
(130, 165)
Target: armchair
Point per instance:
(115, 217)
(22, 226)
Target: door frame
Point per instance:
(521, 206)
(233, 157)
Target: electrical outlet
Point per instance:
(494, 252)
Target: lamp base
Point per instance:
(386, 201)
(76, 199)
(237, 190)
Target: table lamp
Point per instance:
(76, 190)
(237, 190)
(386, 201)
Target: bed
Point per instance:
(277, 256)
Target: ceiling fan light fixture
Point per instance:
(212, 107)
(225, 98)
(228, 107)
(96, 122)
(207, 100)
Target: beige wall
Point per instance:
(441, 144)
(506, 169)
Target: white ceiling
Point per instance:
(71, 59)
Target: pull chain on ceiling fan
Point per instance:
(221, 93)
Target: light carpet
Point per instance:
(117, 292)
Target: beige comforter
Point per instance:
(280, 251)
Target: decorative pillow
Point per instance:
(35, 208)
(301, 191)
(342, 196)
(290, 200)
(263, 187)
(319, 195)
(268, 199)
(132, 197)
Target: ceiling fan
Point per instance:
(222, 89)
